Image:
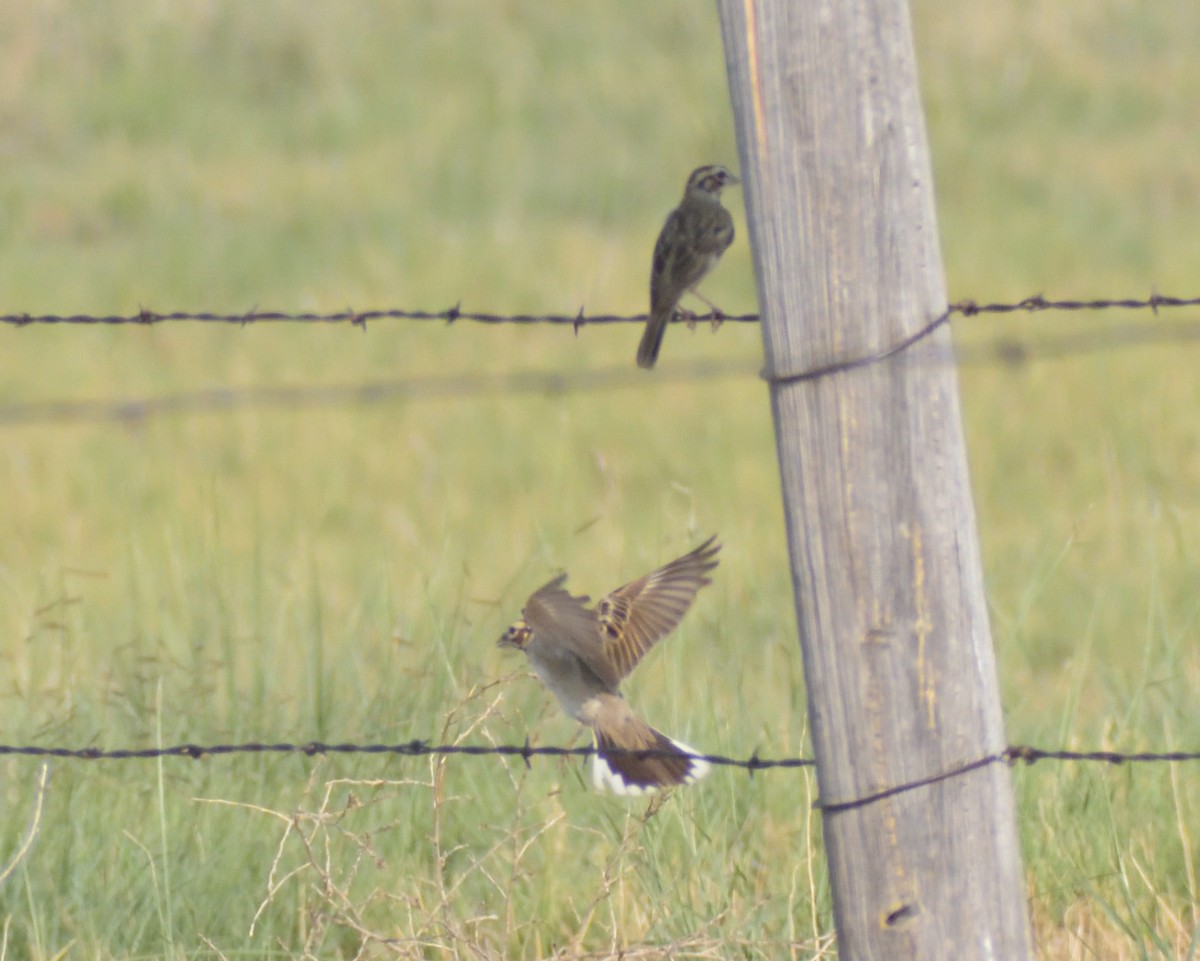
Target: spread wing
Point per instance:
(559, 619)
(633, 618)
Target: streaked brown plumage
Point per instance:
(582, 654)
(689, 245)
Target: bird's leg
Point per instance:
(688, 317)
(717, 316)
(574, 739)
(570, 746)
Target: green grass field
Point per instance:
(342, 573)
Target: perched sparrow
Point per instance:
(583, 653)
(691, 242)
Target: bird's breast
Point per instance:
(567, 677)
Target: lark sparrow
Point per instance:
(582, 654)
(689, 245)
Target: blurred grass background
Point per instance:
(343, 573)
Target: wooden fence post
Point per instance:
(885, 558)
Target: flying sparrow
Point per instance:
(691, 242)
(582, 654)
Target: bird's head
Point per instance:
(517, 636)
(710, 180)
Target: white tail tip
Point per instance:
(606, 777)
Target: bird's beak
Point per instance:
(515, 636)
(734, 180)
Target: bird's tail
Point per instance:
(666, 763)
(652, 338)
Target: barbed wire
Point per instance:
(356, 318)
(413, 748)
(146, 317)
(1011, 351)
(1001, 350)
(1005, 351)
(1013, 754)
(452, 386)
